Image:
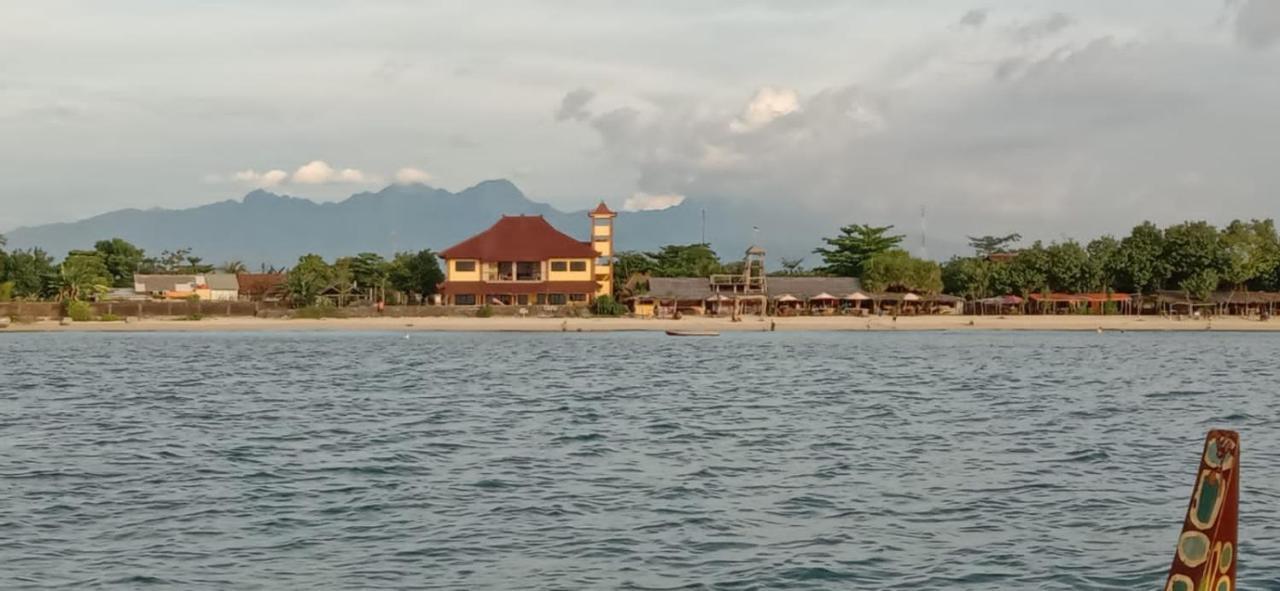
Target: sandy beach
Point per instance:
(749, 324)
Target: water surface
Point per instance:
(623, 461)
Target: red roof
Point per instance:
(602, 209)
(519, 287)
(520, 238)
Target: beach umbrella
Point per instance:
(787, 298)
(857, 296)
(911, 297)
(823, 296)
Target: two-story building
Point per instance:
(522, 260)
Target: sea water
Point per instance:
(624, 461)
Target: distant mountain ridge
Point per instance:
(274, 229)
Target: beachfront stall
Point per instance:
(823, 304)
(1082, 303)
(857, 303)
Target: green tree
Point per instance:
(1026, 274)
(685, 260)
(234, 267)
(1068, 267)
(969, 277)
(629, 270)
(1104, 263)
(369, 270)
(82, 275)
(896, 270)
(308, 279)
(1140, 264)
(1194, 251)
(986, 246)
(32, 273)
(1251, 250)
(791, 267)
(121, 258)
(1200, 285)
(849, 252)
(416, 273)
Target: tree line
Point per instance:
(1194, 257)
(32, 274)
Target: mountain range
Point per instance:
(271, 229)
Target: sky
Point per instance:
(1052, 119)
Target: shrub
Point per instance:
(192, 317)
(484, 311)
(6, 291)
(110, 318)
(78, 311)
(607, 306)
(194, 298)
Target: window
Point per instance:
(542, 299)
(556, 299)
(601, 238)
(464, 266)
(577, 266)
(522, 299)
(559, 266)
(577, 298)
(464, 299)
(604, 222)
(602, 262)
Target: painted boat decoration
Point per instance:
(692, 333)
(1207, 551)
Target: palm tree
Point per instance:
(234, 267)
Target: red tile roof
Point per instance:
(520, 238)
(520, 287)
(603, 209)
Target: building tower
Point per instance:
(602, 239)
(753, 275)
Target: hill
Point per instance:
(274, 229)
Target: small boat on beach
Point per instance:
(692, 333)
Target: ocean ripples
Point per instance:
(627, 461)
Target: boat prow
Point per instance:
(1207, 551)
(692, 333)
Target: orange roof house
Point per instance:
(523, 260)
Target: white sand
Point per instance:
(750, 323)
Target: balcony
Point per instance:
(516, 271)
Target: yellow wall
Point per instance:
(644, 309)
(455, 275)
(584, 275)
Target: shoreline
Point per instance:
(748, 324)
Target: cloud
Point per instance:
(408, 175)
(1075, 131)
(647, 202)
(574, 105)
(1042, 28)
(768, 104)
(974, 18)
(1257, 23)
(318, 172)
(253, 178)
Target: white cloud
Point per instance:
(409, 175)
(251, 177)
(768, 104)
(647, 202)
(318, 172)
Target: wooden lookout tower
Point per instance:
(748, 287)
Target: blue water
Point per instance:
(625, 461)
